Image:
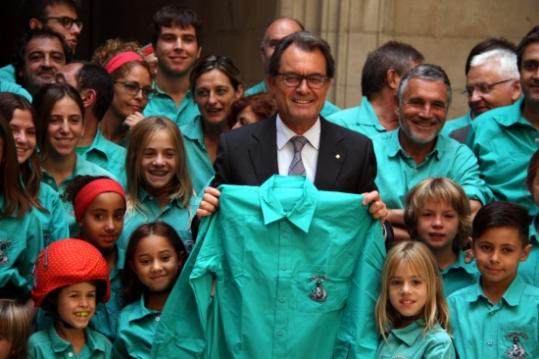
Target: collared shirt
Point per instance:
(506, 329)
(53, 217)
(285, 148)
(21, 239)
(107, 155)
(82, 168)
(47, 344)
(173, 213)
(361, 119)
(504, 141)
(412, 342)
(459, 274)
(529, 269)
(161, 104)
(198, 160)
(135, 333)
(328, 109)
(291, 278)
(398, 173)
(456, 123)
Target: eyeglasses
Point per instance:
(314, 81)
(133, 88)
(66, 21)
(483, 88)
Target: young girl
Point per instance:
(22, 122)
(59, 111)
(100, 204)
(71, 276)
(154, 257)
(529, 269)
(411, 311)
(437, 213)
(15, 328)
(158, 183)
(132, 86)
(21, 237)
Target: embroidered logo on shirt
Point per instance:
(319, 293)
(516, 351)
(4, 245)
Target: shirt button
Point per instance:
(70, 354)
(282, 299)
(158, 318)
(280, 333)
(489, 343)
(283, 267)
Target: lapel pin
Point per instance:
(338, 156)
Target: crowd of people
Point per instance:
(152, 206)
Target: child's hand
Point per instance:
(209, 202)
(377, 207)
(133, 119)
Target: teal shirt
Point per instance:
(456, 123)
(47, 344)
(161, 104)
(136, 331)
(482, 329)
(21, 239)
(361, 119)
(148, 211)
(504, 141)
(107, 155)
(82, 168)
(198, 161)
(529, 269)
(277, 273)
(327, 110)
(53, 217)
(459, 274)
(398, 173)
(8, 86)
(7, 73)
(412, 342)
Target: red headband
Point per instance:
(122, 58)
(90, 191)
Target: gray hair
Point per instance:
(504, 61)
(427, 72)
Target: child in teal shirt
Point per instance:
(411, 311)
(71, 276)
(498, 316)
(437, 213)
(155, 256)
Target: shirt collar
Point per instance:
(512, 114)
(370, 115)
(58, 344)
(301, 214)
(394, 146)
(511, 296)
(410, 333)
(193, 130)
(140, 310)
(284, 134)
(96, 144)
(460, 263)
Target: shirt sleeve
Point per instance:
(34, 243)
(466, 173)
(59, 227)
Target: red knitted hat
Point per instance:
(67, 262)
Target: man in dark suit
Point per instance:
(297, 141)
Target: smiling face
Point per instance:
(76, 304)
(65, 127)
(124, 103)
(156, 263)
(437, 225)
(214, 95)
(103, 221)
(423, 111)
(407, 290)
(43, 58)
(299, 106)
(497, 253)
(529, 73)
(24, 133)
(176, 50)
(159, 162)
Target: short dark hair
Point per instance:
(487, 45)
(502, 214)
(95, 77)
(262, 104)
(306, 41)
(174, 15)
(531, 37)
(18, 64)
(391, 55)
(215, 62)
(427, 72)
(37, 9)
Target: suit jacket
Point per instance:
(248, 156)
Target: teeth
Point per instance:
(83, 314)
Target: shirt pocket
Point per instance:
(515, 342)
(320, 289)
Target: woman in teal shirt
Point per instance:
(22, 122)
(216, 84)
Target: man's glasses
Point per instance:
(314, 81)
(483, 88)
(66, 21)
(133, 88)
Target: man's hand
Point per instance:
(377, 208)
(133, 119)
(209, 203)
